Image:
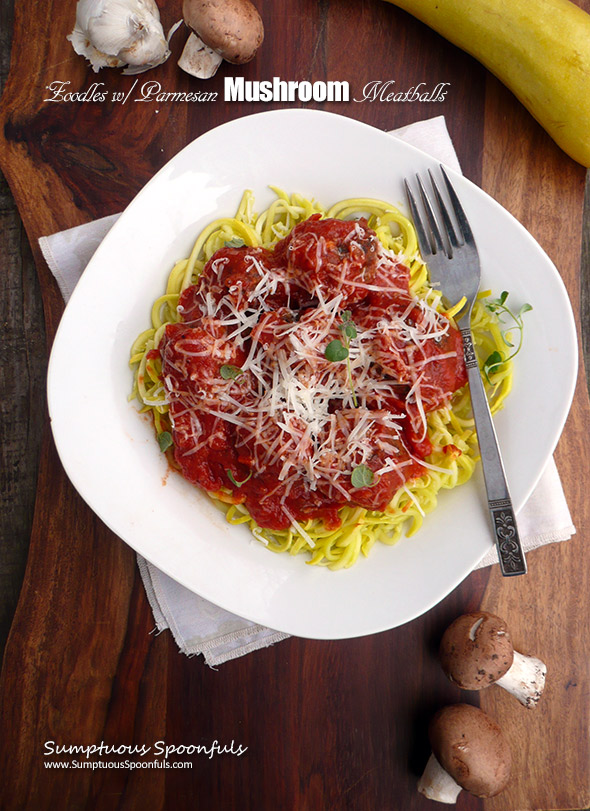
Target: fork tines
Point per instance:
(437, 240)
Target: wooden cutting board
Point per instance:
(327, 725)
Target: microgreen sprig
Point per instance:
(339, 349)
(496, 358)
(347, 327)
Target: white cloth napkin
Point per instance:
(199, 626)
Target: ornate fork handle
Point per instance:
(512, 561)
(451, 254)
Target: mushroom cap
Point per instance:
(233, 28)
(471, 748)
(476, 650)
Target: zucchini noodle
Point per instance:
(451, 429)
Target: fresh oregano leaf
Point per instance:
(164, 440)
(362, 476)
(229, 372)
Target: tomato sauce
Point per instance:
(261, 412)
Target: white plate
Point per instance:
(110, 452)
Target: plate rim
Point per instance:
(79, 292)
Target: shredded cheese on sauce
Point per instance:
(295, 412)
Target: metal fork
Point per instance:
(454, 267)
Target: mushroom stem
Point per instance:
(525, 680)
(437, 784)
(198, 59)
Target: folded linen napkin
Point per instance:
(197, 625)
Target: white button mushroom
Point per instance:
(476, 651)
(469, 752)
(222, 29)
(113, 33)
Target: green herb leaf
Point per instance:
(492, 361)
(362, 476)
(235, 242)
(164, 440)
(336, 351)
(234, 481)
(516, 323)
(349, 329)
(229, 372)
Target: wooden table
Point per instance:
(327, 725)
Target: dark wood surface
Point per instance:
(328, 725)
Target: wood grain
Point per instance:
(23, 348)
(585, 282)
(334, 725)
(21, 404)
(542, 618)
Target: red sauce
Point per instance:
(258, 318)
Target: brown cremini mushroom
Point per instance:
(469, 752)
(476, 651)
(222, 29)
